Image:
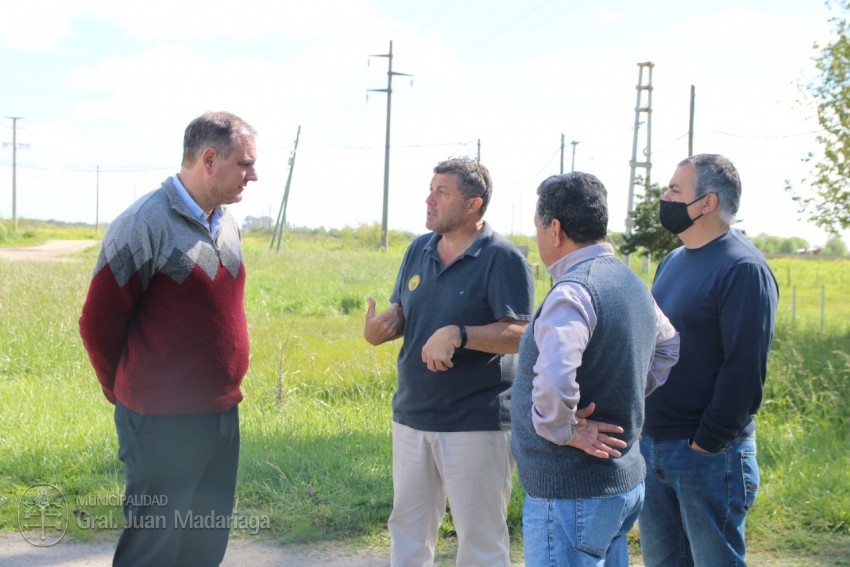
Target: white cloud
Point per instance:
(516, 80)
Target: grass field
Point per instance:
(316, 417)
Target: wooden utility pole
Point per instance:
(280, 224)
(562, 154)
(14, 120)
(573, 164)
(691, 124)
(97, 203)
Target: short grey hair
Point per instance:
(219, 130)
(716, 174)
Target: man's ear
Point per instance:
(208, 157)
(555, 232)
(710, 204)
(475, 204)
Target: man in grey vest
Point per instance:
(596, 345)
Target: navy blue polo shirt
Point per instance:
(491, 280)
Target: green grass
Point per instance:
(316, 455)
(31, 232)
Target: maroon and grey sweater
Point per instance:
(164, 320)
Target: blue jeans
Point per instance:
(581, 532)
(696, 504)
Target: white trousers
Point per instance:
(473, 470)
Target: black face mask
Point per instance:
(675, 217)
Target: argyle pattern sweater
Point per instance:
(164, 320)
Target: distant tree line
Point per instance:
(648, 236)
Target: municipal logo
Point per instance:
(43, 515)
(413, 283)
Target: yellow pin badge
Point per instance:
(413, 283)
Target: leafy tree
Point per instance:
(257, 223)
(767, 244)
(829, 208)
(835, 247)
(792, 245)
(648, 236)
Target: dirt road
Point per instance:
(15, 551)
(50, 251)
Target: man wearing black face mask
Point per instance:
(699, 434)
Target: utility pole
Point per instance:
(562, 154)
(280, 225)
(691, 124)
(573, 165)
(97, 203)
(389, 91)
(641, 108)
(14, 120)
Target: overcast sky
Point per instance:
(105, 89)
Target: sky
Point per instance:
(104, 90)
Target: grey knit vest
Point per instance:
(612, 374)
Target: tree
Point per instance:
(829, 208)
(257, 223)
(793, 245)
(648, 236)
(835, 247)
(767, 244)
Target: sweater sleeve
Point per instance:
(666, 352)
(747, 306)
(115, 288)
(562, 331)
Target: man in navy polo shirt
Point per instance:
(462, 299)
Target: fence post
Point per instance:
(793, 306)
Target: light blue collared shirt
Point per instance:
(212, 221)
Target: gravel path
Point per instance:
(51, 251)
(15, 551)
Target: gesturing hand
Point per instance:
(592, 436)
(384, 327)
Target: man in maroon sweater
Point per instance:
(165, 329)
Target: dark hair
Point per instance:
(580, 203)
(716, 174)
(219, 130)
(473, 178)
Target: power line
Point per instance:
(93, 168)
(778, 137)
(343, 146)
(511, 24)
(542, 22)
(149, 168)
(439, 13)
